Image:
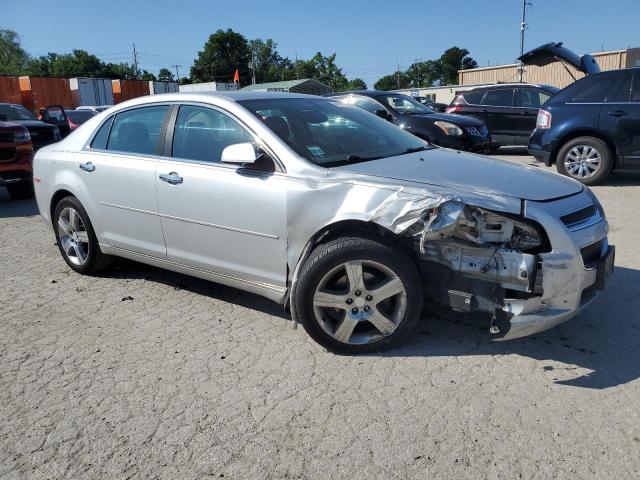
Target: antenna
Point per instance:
(523, 27)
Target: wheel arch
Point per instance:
(55, 200)
(567, 137)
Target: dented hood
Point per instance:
(471, 173)
(551, 52)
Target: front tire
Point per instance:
(21, 191)
(586, 159)
(76, 238)
(357, 295)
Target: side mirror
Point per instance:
(3, 117)
(240, 153)
(383, 114)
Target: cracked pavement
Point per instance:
(143, 373)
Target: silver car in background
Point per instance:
(329, 210)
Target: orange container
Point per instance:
(10, 89)
(40, 92)
(128, 89)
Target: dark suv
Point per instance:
(451, 131)
(41, 133)
(591, 127)
(509, 110)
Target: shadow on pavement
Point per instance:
(604, 338)
(16, 208)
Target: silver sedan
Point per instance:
(348, 221)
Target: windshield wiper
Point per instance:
(417, 149)
(349, 160)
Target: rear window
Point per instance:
(79, 116)
(137, 131)
(594, 90)
(499, 98)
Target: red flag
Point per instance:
(236, 76)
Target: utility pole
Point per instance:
(177, 72)
(135, 61)
(523, 27)
(297, 74)
(253, 70)
(398, 75)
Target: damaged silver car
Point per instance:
(347, 220)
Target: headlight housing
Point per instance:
(22, 136)
(448, 128)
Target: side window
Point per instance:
(622, 91)
(203, 133)
(502, 97)
(532, 98)
(473, 98)
(100, 140)
(635, 89)
(595, 90)
(137, 131)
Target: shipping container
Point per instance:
(128, 89)
(91, 91)
(162, 87)
(40, 92)
(9, 89)
(208, 87)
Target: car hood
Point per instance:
(32, 123)
(460, 120)
(469, 173)
(551, 52)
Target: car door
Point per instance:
(223, 218)
(116, 176)
(500, 114)
(620, 116)
(528, 101)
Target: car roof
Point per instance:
(367, 93)
(509, 85)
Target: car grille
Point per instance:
(478, 131)
(6, 137)
(591, 253)
(579, 216)
(7, 154)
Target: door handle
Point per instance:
(87, 167)
(617, 113)
(171, 178)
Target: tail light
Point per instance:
(72, 125)
(454, 109)
(544, 119)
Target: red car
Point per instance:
(16, 158)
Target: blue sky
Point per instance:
(369, 37)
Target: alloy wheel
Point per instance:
(360, 302)
(73, 236)
(582, 161)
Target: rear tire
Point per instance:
(76, 238)
(588, 160)
(21, 191)
(375, 312)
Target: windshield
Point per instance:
(329, 133)
(16, 112)
(405, 105)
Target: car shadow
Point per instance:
(597, 349)
(16, 208)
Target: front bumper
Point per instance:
(466, 142)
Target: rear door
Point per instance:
(528, 100)
(500, 114)
(620, 116)
(116, 175)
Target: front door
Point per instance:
(620, 117)
(117, 180)
(500, 115)
(225, 219)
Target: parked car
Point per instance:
(592, 126)
(341, 216)
(76, 118)
(509, 109)
(41, 133)
(435, 106)
(16, 156)
(451, 131)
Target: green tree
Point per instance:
(323, 69)
(452, 60)
(266, 60)
(392, 81)
(165, 75)
(79, 63)
(356, 84)
(14, 59)
(424, 74)
(145, 75)
(223, 53)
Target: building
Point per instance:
(208, 87)
(304, 85)
(553, 74)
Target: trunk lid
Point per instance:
(551, 52)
